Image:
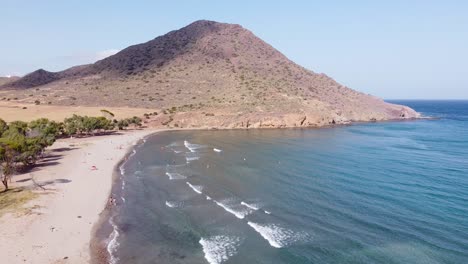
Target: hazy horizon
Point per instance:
(392, 50)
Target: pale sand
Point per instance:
(61, 230)
(12, 111)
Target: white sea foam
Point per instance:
(173, 166)
(189, 159)
(197, 188)
(175, 176)
(113, 244)
(208, 198)
(133, 153)
(267, 212)
(218, 249)
(192, 147)
(217, 150)
(277, 236)
(192, 158)
(173, 144)
(123, 199)
(251, 206)
(171, 204)
(238, 213)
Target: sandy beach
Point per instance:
(73, 185)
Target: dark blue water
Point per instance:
(392, 192)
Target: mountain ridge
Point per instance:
(221, 74)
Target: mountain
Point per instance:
(208, 74)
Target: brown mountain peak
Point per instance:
(212, 67)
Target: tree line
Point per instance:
(23, 143)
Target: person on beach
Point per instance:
(112, 201)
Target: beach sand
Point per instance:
(58, 228)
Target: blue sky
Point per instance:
(398, 49)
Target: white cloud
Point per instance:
(88, 57)
(105, 53)
(11, 74)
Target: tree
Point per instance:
(108, 114)
(124, 123)
(45, 131)
(7, 168)
(3, 126)
(135, 121)
(86, 125)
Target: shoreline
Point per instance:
(73, 189)
(35, 235)
(102, 229)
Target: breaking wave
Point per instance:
(231, 209)
(175, 176)
(277, 236)
(172, 204)
(192, 147)
(113, 244)
(251, 206)
(218, 249)
(188, 159)
(196, 188)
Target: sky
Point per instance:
(392, 49)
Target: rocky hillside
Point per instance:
(207, 74)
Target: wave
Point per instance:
(251, 206)
(197, 188)
(174, 166)
(267, 212)
(174, 144)
(122, 170)
(189, 159)
(218, 249)
(217, 150)
(276, 236)
(175, 176)
(171, 204)
(208, 198)
(192, 147)
(113, 244)
(238, 213)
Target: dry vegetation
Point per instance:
(16, 200)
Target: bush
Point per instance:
(124, 123)
(86, 125)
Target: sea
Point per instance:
(383, 192)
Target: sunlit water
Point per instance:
(393, 192)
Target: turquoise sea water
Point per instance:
(392, 192)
